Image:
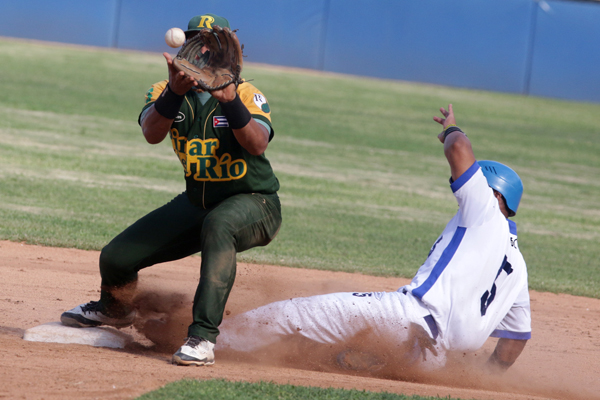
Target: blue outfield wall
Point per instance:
(469, 43)
(544, 48)
(89, 22)
(566, 60)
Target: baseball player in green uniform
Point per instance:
(230, 203)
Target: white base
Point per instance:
(56, 332)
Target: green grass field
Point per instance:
(216, 389)
(364, 183)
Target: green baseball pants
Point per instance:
(179, 229)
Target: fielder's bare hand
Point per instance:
(179, 82)
(224, 95)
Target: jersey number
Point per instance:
(489, 295)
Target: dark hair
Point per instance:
(511, 213)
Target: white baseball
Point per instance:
(175, 37)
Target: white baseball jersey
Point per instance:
(474, 281)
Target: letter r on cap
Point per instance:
(206, 21)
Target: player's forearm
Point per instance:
(253, 137)
(458, 151)
(505, 354)
(161, 114)
(155, 127)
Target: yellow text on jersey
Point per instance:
(199, 159)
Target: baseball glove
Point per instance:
(218, 67)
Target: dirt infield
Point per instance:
(562, 361)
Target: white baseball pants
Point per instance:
(332, 319)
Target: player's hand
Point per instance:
(424, 340)
(224, 95)
(447, 120)
(179, 82)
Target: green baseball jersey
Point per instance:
(216, 166)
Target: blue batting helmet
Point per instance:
(504, 180)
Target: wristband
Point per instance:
(236, 112)
(450, 130)
(168, 103)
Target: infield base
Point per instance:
(55, 332)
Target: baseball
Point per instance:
(175, 37)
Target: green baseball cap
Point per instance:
(205, 21)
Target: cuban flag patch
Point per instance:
(220, 121)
